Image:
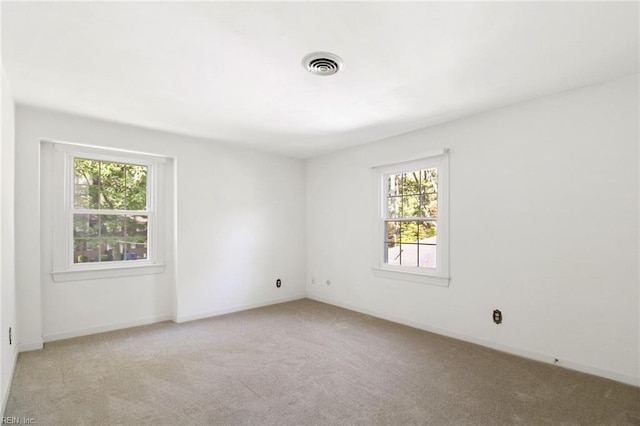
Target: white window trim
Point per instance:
(440, 276)
(64, 269)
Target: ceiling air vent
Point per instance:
(322, 63)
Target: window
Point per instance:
(412, 219)
(109, 211)
(107, 217)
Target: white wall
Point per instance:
(230, 238)
(7, 246)
(242, 228)
(544, 226)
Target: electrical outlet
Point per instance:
(278, 283)
(497, 316)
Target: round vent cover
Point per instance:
(322, 63)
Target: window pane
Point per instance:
(411, 206)
(112, 175)
(86, 172)
(113, 197)
(429, 206)
(429, 192)
(401, 178)
(411, 183)
(392, 233)
(428, 179)
(429, 203)
(113, 185)
(408, 254)
(111, 249)
(136, 177)
(101, 245)
(428, 230)
(392, 254)
(135, 247)
(136, 228)
(394, 207)
(409, 232)
(428, 247)
(394, 185)
(427, 257)
(402, 254)
(107, 185)
(112, 226)
(85, 250)
(85, 225)
(135, 251)
(136, 200)
(86, 180)
(86, 196)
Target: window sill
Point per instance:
(94, 274)
(440, 281)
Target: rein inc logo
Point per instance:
(17, 421)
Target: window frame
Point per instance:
(440, 275)
(65, 269)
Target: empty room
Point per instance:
(321, 213)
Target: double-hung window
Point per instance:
(108, 217)
(412, 219)
(109, 211)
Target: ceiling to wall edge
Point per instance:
(322, 152)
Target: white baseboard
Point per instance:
(8, 388)
(237, 308)
(104, 328)
(32, 346)
(630, 380)
(145, 321)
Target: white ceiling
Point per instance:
(232, 71)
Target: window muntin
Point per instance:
(109, 212)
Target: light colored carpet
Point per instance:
(299, 363)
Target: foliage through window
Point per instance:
(110, 211)
(411, 222)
